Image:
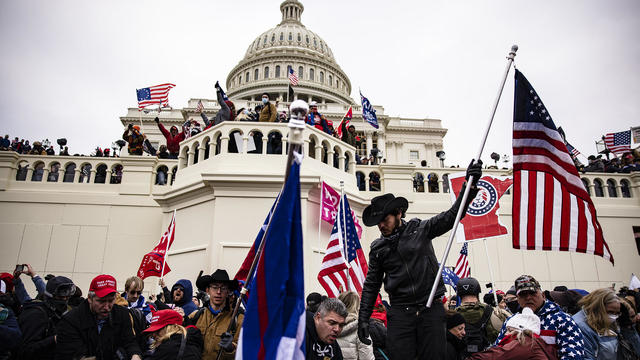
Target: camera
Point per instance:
(20, 268)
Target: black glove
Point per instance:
(217, 85)
(130, 126)
(157, 120)
(226, 342)
(363, 333)
(475, 170)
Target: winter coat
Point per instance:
(455, 347)
(406, 261)
(224, 114)
(351, 346)
(212, 327)
(557, 328)
(472, 314)
(596, 346)
(186, 302)
(173, 142)
(134, 140)
(378, 333)
(10, 334)
(318, 121)
(78, 334)
(315, 349)
(269, 113)
(38, 324)
(348, 137)
(169, 349)
(533, 349)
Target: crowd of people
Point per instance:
(628, 162)
(22, 146)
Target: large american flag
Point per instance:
(462, 268)
(154, 95)
(293, 78)
(618, 143)
(344, 266)
(551, 208)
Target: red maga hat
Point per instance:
(162, 318)
(103, 285)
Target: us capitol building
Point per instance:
(84, 216)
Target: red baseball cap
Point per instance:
(8, 281)
(162, 318)
(103, 285)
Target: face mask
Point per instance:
(265, 100)
(613, 318)
(246, 112)
(513, 306)
(59, 305)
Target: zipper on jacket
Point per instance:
(413, 288)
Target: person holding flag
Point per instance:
(403, 257)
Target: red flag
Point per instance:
(152, 262)
(481, 220)
(347, 117)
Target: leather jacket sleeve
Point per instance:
(372, 282)
(443, 222)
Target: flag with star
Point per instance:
(344, 266)
(618, 143)
(154, 95)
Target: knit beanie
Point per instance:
(454, 320)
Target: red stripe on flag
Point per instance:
(547, 224)
(582, 228)
(515, 216)
(531, 223)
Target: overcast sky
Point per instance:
(70, 68)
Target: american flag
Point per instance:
(200, 106)
(293, 78)
(573, 152)
(462, 268)
(338, 274)
(154, 95)
(551, 208)
(618, 143)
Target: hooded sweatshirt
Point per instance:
(185, 303)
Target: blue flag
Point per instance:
(449, 277)
(368, 113)
(274, 323)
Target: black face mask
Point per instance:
(60, 306)
(513, 306)
(7, 300)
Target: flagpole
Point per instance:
(512, 55)
(343, 229)
(493, 284)
(164, 258)
(298, 110)
(321, 207)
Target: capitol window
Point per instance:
(266, 72)
(273, 37)
(414, 155)
(301, 72)
(299, 37)
(321, 77)
(322, 47)
(290, 36)
(246, 77)
(277, 71)
(330, 80)
(265, 40)
(281, 36)
(307, 39)
(289, 67)
(315, 43)
(311, 74)
(255, 75)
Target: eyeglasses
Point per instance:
(133, 292)
(217, 288)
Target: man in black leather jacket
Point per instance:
(403, 258)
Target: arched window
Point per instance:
(625, 189)
(307, 39)
(277, 71)
(299, 37)
(300, 72)
(445, 183)
(21, 174)
(418, 182)
(266, 72)
(312, 148)
(289, 67)
(116, 174)
(361, 181)
(374, 181)
(246, 77)
(321, 47)
(611, 186)
(101, 174)
(265, 40)
(432, 181)
(255, 75)
(173, 174)
(311, 74)
(54, 172)
(38, 171)
(597, 188)
(330, 80)
(239, 79)
(273, 37)
(315, 43)
(162, 174)
(69, 173)
(281, 36)
(322, 77)
(585, 182)
(290, 37)
(85, 173)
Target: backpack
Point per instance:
(476, 337)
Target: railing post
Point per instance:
(190, 156)
(201, 151)
(224, 144)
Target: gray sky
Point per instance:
(70, 68)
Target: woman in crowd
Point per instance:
(521, 342)
(455, 336)
(168, 336)
(597, 320)
(352, 348)
(378, 330)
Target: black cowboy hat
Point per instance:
(219, 276)
(381, 206)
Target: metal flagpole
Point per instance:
(321, 207)
(343, 229)
(493, 284)
(166, 246)
(512, 55)
(298, 110)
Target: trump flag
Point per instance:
(153, 262)
(482, 220)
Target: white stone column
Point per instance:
(224, 144)
(190, 157)
(369, 135)
(265, 140)
(341, 162)
(319, 152)
(201, 150)
(76, 177)
(92, 177)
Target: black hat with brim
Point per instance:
(381, 206)
(219, 276)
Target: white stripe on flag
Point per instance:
(524, 206)
(557, 215)
(573, 229)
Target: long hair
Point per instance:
(594, 306)
(351, 301)
(166, 332)
(522, 335)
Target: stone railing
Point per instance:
(270, 139)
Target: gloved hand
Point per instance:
(475, 170)
(363, 333)
(130, 126)
(157, 120)
(226, 342)
(217, 85)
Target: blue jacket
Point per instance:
(185, 303)
(596, 346)
(557, 327)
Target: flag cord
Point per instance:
(512, 55)
(298, 111)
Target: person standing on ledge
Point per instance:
(403, 257)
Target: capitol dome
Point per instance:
(290, 44)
